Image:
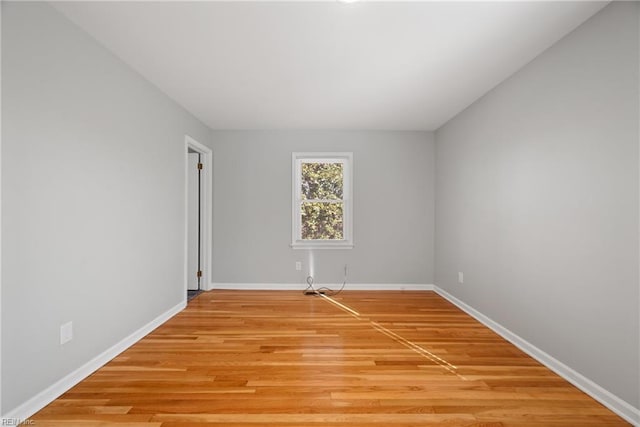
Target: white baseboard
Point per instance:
(335, 286)
(608, 399)
(51, 393)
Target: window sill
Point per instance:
(322, 245)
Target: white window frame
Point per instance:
(297, 159)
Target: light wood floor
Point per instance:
(248, 358)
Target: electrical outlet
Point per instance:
(460, 277)
(66, 333)
(298, 266)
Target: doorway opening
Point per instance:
(198, 178)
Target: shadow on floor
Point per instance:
(192, 294)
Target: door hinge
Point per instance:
(199, 273)
(199, 165)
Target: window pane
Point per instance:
(321, 181)
(322, 221)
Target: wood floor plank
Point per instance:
(385, 358)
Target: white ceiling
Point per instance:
(327, 65)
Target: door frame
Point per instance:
(206, 203)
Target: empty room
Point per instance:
(320, 213)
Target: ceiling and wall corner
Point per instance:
(327, 65)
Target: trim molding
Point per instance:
(303, 286)
(206, 210)
(52, 392)
(608, 399)
(346, 159)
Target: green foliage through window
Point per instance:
(321, 181)
(322, 221)
(322, 209)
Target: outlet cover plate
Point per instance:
(66, 333)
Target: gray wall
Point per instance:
(537, 202)
(393, 207)
(92, 199)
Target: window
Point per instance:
(322, 207)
